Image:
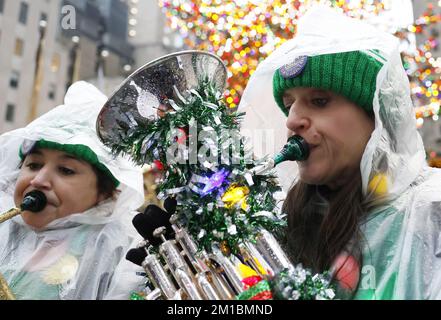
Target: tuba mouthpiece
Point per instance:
(295, 149)
(34, 201)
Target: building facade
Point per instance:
(45, 45)
(22, 34)
(148, 32)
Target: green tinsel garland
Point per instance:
(300, 284)
(206, 217)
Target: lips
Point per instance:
(310, 145)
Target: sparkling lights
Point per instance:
(243, 33)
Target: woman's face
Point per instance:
(69, 184)
(336, 130)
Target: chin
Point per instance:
(35, 226)
(33, 221)
(312, 176)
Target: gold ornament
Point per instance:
(225, 248)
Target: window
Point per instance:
(15, 77)
(43, 17)
(2, 5)
(51, 93)
(18, 47)
(10, 112)
(23, 15)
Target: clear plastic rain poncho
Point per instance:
(402, 248)
(73, 257)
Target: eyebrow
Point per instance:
(287, 94)
(320, 91)
(67, 156)
(64, 156)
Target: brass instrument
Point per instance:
(33, 201)
(182, 272)
(5, 292)
(177, 268)
(192, 274)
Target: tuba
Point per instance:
(33, 201)
(179, 270)
(176, 266)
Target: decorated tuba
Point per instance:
(215, 239)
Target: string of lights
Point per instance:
(243, 33)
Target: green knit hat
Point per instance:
(351, 74)
(78, 150)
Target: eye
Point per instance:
(287, 102)
(66, 171)
(320, 102)
(34, 166)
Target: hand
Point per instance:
(154, 217)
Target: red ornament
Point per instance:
(158, 164)
(251, 281)
(182, 137)
(265, 295)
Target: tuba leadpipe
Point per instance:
(34, 201)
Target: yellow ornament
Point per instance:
(245, 271)
(260, 267)
(244, 204)
(251, 272)
(235, 195)
(379, 184)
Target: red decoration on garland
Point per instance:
(251, 281)
(158, 164)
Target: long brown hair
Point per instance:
(323, 222)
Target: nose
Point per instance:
(42, 179)
(297, 121)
